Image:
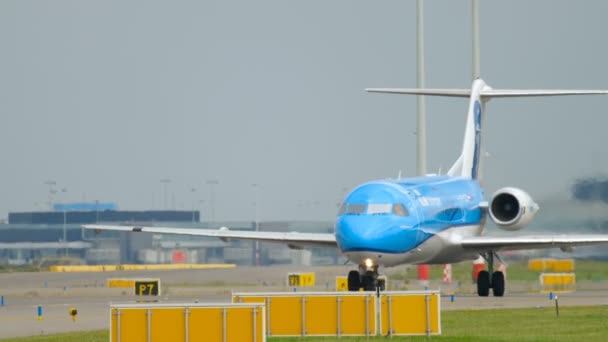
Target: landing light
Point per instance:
(369, 263)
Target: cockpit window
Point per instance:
(373, 209)
(400, 210)
(356, 209)
(379, 209)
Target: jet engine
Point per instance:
(512, 208)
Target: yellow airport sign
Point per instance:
(341, 283)
(551, 265)
(300, 279)
(147, 287)
(187, 322)
(557, 282)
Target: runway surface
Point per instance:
(57, 292)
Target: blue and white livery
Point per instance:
(424, 220)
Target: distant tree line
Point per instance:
(591, 190)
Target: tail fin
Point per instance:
(467, 164)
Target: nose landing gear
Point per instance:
(364, 278)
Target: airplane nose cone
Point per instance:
(372, 233)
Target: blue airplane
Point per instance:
(424, 220)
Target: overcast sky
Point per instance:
(106, 98)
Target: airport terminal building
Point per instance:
(56, 236)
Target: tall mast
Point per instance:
(475, 16)
(421, 123)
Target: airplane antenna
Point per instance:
(399, 175)
(476, 56)
(421, 125)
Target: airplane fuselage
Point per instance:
(414, 221)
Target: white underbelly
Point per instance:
(442, 248)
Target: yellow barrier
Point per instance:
(558, 282)
(187, 322)
(342, 283)
(163, 267)
(566, 265)
(114, 283)
(410, 313)
(84, 268)
(540, 265)
(129, 267)
(300, 279)
(348, 313)
(316, 313)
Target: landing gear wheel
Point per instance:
(483, 283)
(498, 284)
(368, 283)
(354, 281)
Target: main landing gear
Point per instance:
(489, 279)
(365, 278)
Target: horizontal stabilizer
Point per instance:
(539, 92)
(488, 92)
(422, 91)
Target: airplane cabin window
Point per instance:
(356, 209)
(379, 209)
(400, 210)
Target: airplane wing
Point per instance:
(505, 243)
(293, 239)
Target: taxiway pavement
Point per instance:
(57, 292)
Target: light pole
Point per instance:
(165, 182)
(193, 192)
(96, 211)
(51, 184)
(65, 221)
(212, 183)
(421, 122)
(201, 208)
(256, 200)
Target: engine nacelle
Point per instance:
(512, 208)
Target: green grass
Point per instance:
(87, 336)
(516, 270)
(20, 268)
(574, 324)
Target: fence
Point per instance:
(187, 322)
(348, 313)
